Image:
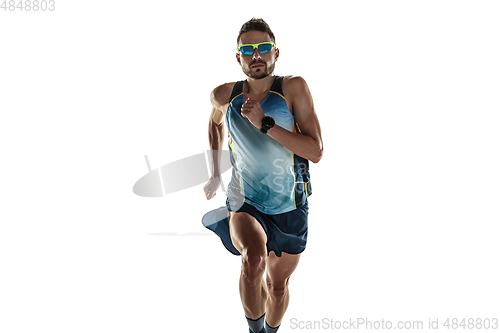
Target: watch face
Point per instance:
(268, 121)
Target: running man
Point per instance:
(273, 132)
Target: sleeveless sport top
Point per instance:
(265, 174)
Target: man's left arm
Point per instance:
(309, 144)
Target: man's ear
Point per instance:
(276, 54)
(238, 58)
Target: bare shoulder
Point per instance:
(294, 85)
(220, 95)
(293, 81)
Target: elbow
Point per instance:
(317, 157)
(318, 152)
(315, 160)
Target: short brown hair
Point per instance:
(256, 25)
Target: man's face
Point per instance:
(257, 66)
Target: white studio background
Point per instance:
(404, 216)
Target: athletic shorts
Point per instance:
(286, 232)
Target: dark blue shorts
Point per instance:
(286, 232)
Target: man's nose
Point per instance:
(256, 54)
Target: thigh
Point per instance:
(247, 233)
(279, 269)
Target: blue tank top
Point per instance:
(265, 174)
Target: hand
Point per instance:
(211, 187)
(253, 112)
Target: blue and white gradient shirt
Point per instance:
(265, 174)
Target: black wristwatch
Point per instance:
(267, 124)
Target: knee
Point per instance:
(253, 265)
(277, 291)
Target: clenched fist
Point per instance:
(211, 187)
(252, 110)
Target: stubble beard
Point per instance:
(260, 73)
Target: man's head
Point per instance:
(257, 65)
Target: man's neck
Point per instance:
(257, 87)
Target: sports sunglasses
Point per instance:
(248, 49)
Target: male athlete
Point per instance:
(273, 131)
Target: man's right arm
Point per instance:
(220, 100)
